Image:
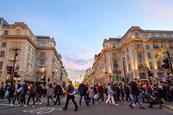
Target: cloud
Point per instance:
(159, 11)
(76, 64)
(79, 60)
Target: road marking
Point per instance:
(42, 110)
(168, 110)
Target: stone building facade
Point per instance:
(37, 59)
(132, 55)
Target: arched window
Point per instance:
(136, 35)
(17, 31)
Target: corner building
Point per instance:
(128, 57)
(37, 60)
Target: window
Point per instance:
(138, 45)
(28, 57)
(29, 48)
(151, 65)
(6, 32)
(170, 44)
(129, 67)
(32, 59)
(0, 74)
(127, 49)
(2, 53)
(28, 67)
(4, 44)
(140, 57)
(142, 75)
(148, 47)
(42, 54)
(17, 31)
(153, 35)
(141, 66)
(1, 64)
(159, 65)
(149, 55)
(128, 58)
(155, 45)
(42, 62)
(136, 35)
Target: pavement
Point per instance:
(98, 108)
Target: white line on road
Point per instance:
(42, 110)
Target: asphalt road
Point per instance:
(99, 108)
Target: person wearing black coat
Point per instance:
(83, 93)
(135, 92)
(127, 92)
(58, 93)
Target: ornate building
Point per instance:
(37, 59)
(89, 77)
(132, 55)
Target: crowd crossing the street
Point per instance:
(136, 93)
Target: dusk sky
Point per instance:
(80, 26)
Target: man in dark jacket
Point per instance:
(11, 91)
(58, 92)
(83, 93)
(24, 93)
(135, 92)
(127, 92)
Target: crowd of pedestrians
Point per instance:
(134, 92)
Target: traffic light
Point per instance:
(16, 75)
(9, 69)
(166, 64)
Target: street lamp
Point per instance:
(14, 62)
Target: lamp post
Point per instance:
(14, 62)
(169, 61)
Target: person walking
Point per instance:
(24, 93)
(32, 94)
(101, 92)
(70, 95)
(38, 94)
(18, 92)
(11, 91)
(50, 93)
(58, 93)
(110, 92)
(136, 95)
(83, 93)
(127, 92)
(90, 95)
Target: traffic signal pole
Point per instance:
(14, 62)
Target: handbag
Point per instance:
(96, 96)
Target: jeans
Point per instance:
(136, 98)
(49, 97)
